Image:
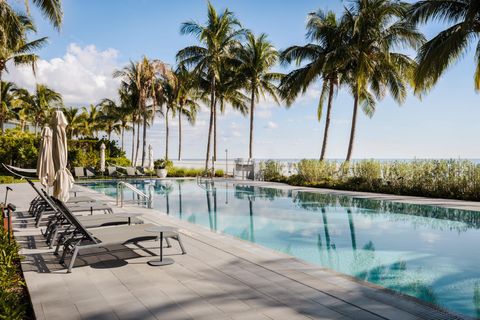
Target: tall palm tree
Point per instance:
(18, 50)
(41, 103)
(9, 94)
(323, 57)
(91, 119)
(128, 98)
(75, 119)
(258, 56)
(109, 116)
(377, 28)
(186, 101)
(140, 78)
(218, 35)
(449, 45)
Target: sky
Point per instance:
(98, 37)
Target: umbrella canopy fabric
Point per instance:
(45, 168)
(102, 157)
(63, 177)
(150, 157)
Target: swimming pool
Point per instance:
(423, 251)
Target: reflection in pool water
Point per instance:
(423, 251)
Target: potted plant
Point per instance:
(161, 167)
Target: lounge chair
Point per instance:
(58, 221)
(42, 206)
(131, 171)
(113, 172)
(78, 238)
(90, 172)
(79, 172)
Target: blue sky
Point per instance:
(100, 36)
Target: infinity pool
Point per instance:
(428, 252)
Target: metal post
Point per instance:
(226, 163)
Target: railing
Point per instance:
(138, 196)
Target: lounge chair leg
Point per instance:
(181, 245)
(168, 243)
(72, 261)
(53, 238)
(37, 219)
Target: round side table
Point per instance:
(161, 229)
(128, 215)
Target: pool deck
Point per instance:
(220, 277)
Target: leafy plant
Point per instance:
(162, 164)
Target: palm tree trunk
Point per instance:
(138, 143)
(210, 126)
(327, 121)
(215, 131)
(133, 141)
(166, 134)
(180, 135)
(123, 134)
(354, 124)
(252, 110)
(144, 147)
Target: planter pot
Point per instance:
(162, 173)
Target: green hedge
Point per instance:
(189, 172)
(14, 300)
(454, 179)
(21, 149)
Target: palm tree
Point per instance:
(51, 9)
(140, 78)
(75, 121)
(377, 27)
(186, 101)
(9, 94)
(220, 33)
(257, 58)
(40, 103)
(18, 50)
(323, 57)
(109, 116)
(91, 119)
(449, 45)
(128, 98)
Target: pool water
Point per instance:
(423, 251)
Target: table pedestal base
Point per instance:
(164, 262)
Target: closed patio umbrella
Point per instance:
(150, 157)
(102, 157)
(63, 178)
(45, 169)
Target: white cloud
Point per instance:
(271, 125)
(83, 75)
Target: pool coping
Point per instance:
(384, 290)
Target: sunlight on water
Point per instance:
(423, 251)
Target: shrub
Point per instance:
(120, 161)
(455, 179)
(219, 173)
(271, 170)
(13, 298)
(21, 149)
(184, 172)
(316, 172)
(6, 179)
